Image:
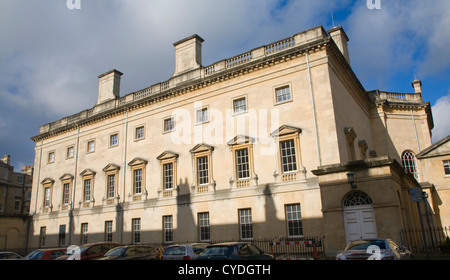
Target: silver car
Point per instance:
(374, 249)
(183, 251)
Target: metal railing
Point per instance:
(429, 240)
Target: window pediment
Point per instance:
(167, 155)
(47, 181)
(201, 148)
(137, 161)
(88, 172)
(66, 177)
(241, 139)
(285, 130)
(111, 167)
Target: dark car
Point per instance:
(10, 256)
(234, 251)
(374, 249)
(45, 254)
(132, 252)
(88, 251)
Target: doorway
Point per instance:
(359, 216)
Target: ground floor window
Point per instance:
(245, 223)
(168, 229)
(294, 220)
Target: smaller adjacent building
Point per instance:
(15, 196)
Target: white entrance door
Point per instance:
(359, 222)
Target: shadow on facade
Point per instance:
(186, 227)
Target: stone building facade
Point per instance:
(15, 196)
(254, 146)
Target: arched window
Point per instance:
(410, 164)
(357, 198)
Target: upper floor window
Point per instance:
(168, 162)
(51, 157)
(169, 124)
(70, 152)
(240, 105)
(91, 146)
(138, 167)
(242, 149)
(447, 167)
(202, 115)
(283, 94)
(410, 163)
(114, 140)
(139, 133)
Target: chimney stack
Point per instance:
(109, 86)
(417, 86)
(340, 38)
(6, 159)
(188, 54)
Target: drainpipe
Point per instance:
(314, 110)
(74, 187)
(120, 206)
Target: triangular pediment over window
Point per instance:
(285, 130)
(47, 181)
(66, 177)
(201, 148)
(137, 161)
(87, 172)
(241, 139)
(167, 155)
(111, 167)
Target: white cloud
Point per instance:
(441, 117)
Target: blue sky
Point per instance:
(50, 56)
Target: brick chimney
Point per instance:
(188, 54)
(340, 38)
(109, 86)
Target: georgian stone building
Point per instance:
(255, 146)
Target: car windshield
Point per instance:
(116, 252)
(175, 251)
(216, 251)
(364, 244)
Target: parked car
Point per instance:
(10, 256)
(374, 249)
(132, 252)
(234, 251)
(88, 251)
(183, 251)
(45, 254)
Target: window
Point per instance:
(242, 151)
(62, 235)
(137, 182)
(240, 105)
(47, 196)
(87, 190)
(283, 94)
(202, 170)
(136, 231)
(70, 152)
(51, 157)
(114, 140)
(446, 167)
(169, 124)
(204, 229)
(245, 223)
(109, 231)
(294, 220)
(288, 158)
(42, 236)
(138, 167)
(409, 163)
(111, 184)
(91, 146)
(84, 233)
(202, 115)
(168, 176)
(66, 193)
(357, 198)
(17, 206)
(242, 164)
(140, 133)
(168, 229)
